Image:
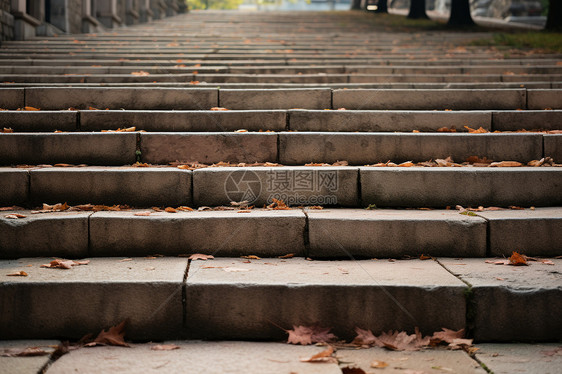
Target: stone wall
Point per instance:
(6, 21)
(75, 16)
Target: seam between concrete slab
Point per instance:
(89, 248)
(359, 189)
(488, 241)
(331, 99)
(78, 124)
(306, 234)
(218, 96)
(28, 192)
(184, 294)
(287, 120)
(24, 96)
(526, 99)
(138, 153)
(278, 153)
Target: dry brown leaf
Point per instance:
(278, 205)
(164, 347)
(142, 214)
(478, 160)
(288, 255)
(7, 130)
(15, 216)
(140, 73)
(20, 273)
(517, 259)
(251, 257)
(199, 256)
(364, 337)
(424, 257)
(323, 357)
(378, 364)
(26, 352)
(305, 335)
(185, 208)
(536, 162)
(447, 129)
(480, 130)
(218, 109)
(396, 341)
(170, 210)
(446, 335)
(64, 264)
(114, 336)
(13, 207)
(340, 163)
(506, 164)
(406, 164)
(30, 108)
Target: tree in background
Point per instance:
(460, 14)
(382, 6)
(214, 4)
(417, 9)
(554, 18)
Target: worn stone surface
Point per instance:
(276, 99)
(541, 358)
(12, 98)
(363, 120)
(369, 148)
(399, 362)
(429, 99)
(14, 184)
(260, 185)
(376, 295)
(221, 233)
(77, 148)
(41, 235)
(394, 233)
(532, 232)
(440, 187)
(107, 185)
(544, 99)
(503, 296)
(208, 148)
(553, 147)
(196, 357)
(527, 119)
(38, 121)
(117, 98)
(92, 297)
(251, 120)
(25, 365)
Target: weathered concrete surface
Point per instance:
(12, 98)
(429, 99)
(395, 233)
(251, 120)
(544, 99)
(520, 303)
(208, 148)
(376, 295)
(25, 365)
(112, 185)
(14, 184)
(521, 358)
(196, 357)
(400, 362)
(531, 232)
(294, 185)
(553, 147)
(221, 233)
(76, 148)
(276, 99)
(370, 148)
(41, 235)
(38, 121)
(88, 298)
(440, 187)
(117, 98)
(363, 120)
(527, 119)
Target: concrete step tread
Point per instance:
(275, 357)
(401, 294)
(325, 233)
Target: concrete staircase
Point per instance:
(284, 79)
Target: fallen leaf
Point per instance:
(164, 347)
(378, 364)
(140, 73)
(517, 259)
(143, 214)
(15, 216)
(199, 256)
(7, 130)
(424, 257)
(288, 255)
(64, 264)
(18, 274)
(170, 210)
(364, 337)
(480, 130)
(218, 109)
(396, 341)
(114, 336)
(30, 108)
(305, 335)
(185, 209)
(13, 207)
(278, 205)
(447, 129)
(323, 357)
(506, 164)
(251, 257)
(26, 352)
(406, 164)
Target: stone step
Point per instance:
(287, 148)
(326, 233)
(343, 186)
(229, 298)
(279, 120)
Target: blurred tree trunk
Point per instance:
(382, 6)
(460, 14)
(554, 18)
(356, 4)
(417, 9)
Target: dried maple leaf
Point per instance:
(164, 347)
(18, 274)
(26, 352)
(199, 256)
(114, 336)
(305, 335)
(364, 337)
(323, 357)
(517, 259)
(15, 216)
(401, 341)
